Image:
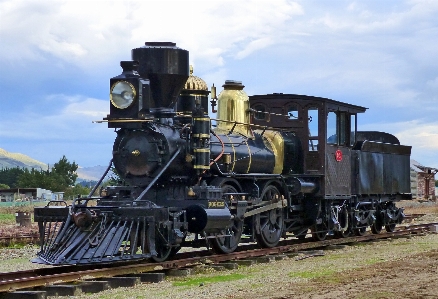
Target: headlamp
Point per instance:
(122, 94)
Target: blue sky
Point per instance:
(56, 58)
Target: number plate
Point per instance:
(215, 204)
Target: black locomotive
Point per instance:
(272, 166)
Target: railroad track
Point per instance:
(33, 238)
(19, 238)
(12, 281)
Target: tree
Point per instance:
(62, 175)
(4, 186)
(58, 179)
(73, 192)
(9, 176)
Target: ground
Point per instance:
(396, 268)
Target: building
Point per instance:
(423, 181)
(28, 194)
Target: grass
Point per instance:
(7, 218)
(422, 209)
(317, 273)
(197, 281)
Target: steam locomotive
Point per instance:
(267, 167)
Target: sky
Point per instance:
(56, 59)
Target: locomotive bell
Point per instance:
(195, 92)
(233, 106)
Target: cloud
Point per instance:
(378, 54)
(72, 122)
(75, 33)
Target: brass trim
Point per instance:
(121, 120)
(277, 144)
(249, 155)
(202, 118)
(201, 167)
(201, 135)
(234, 153)
(201, 150)
(134, 91)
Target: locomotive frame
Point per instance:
(273, 166)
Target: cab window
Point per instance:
(312, 119)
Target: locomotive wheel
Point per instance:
(390, 228)
(270, 223)
(343, 234)
(319, 232)
(164, 251)
(234, 233)
(360, 231)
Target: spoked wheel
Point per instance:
(345, 224)
(390, 227)
(269, 225)
(343, 234)
(233, 234)
(362, 223)
(319, 232)
(376, 228)
(164, 251)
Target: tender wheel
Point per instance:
(269, 225)
(376, 228)
(229, 243)
(345, 224)
(319, 232)
(390, 228)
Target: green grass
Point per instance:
(7, 218)
(206, 280)
(374, 260)
(312, 274)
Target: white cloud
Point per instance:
(379, 54)
(86, 32)
(72, 122)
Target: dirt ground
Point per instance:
(411, 277)
(390, 269)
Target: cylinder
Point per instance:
(207, 220)
(300, 185)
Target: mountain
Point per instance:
(90, 173)
(12, 160)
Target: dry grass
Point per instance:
(422, 208)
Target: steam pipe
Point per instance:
(101, 179)
(158, 176)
